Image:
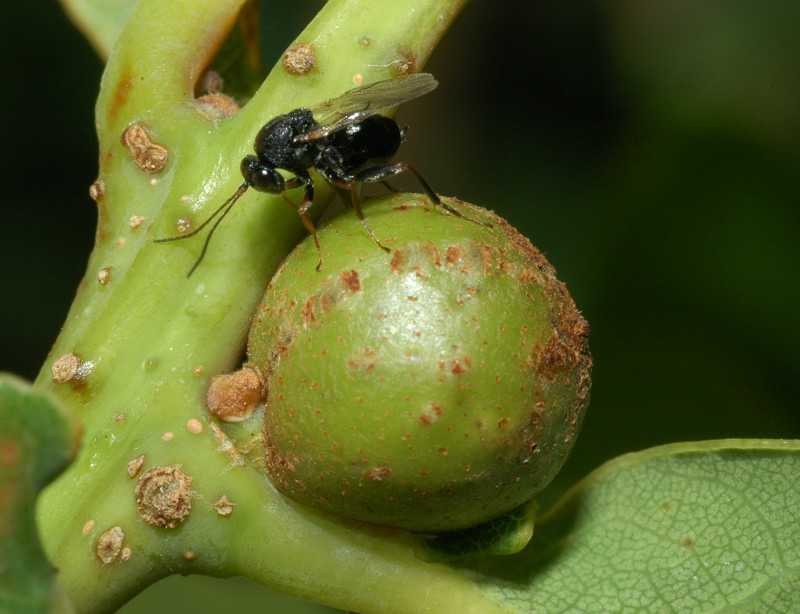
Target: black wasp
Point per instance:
(344, 139)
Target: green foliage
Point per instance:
(689, 527)
(101, 21)
(38, 438)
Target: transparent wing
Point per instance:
(359, 103)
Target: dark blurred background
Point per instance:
(650, 149)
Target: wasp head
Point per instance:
(262, 177)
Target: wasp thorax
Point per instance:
(429, 389)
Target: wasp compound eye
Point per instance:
(261, 177)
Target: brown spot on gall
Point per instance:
(224, 506)
(164, 496)
(299, 59)
(460, 365)
(232, 397)
(435, 255)
(216, 106)
(109, 545)
(104, 276)
(398, 261)
(308, 312)
(485, 255)
(377, 474)
(351, 281)
(148, 156)
(97, 191)
(135, 466)
(453, 254)
(69, 368)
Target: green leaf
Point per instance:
(100, 21)
(37, 440)
(690, 527)
(238, 62)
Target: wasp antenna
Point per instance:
(234, 198)
(225, 209)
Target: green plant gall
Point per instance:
(430, 389)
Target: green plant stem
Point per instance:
(149, 338)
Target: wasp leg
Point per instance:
(304, 206)
(382, 173)
(347, 191)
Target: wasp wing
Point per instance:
(356, 105)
